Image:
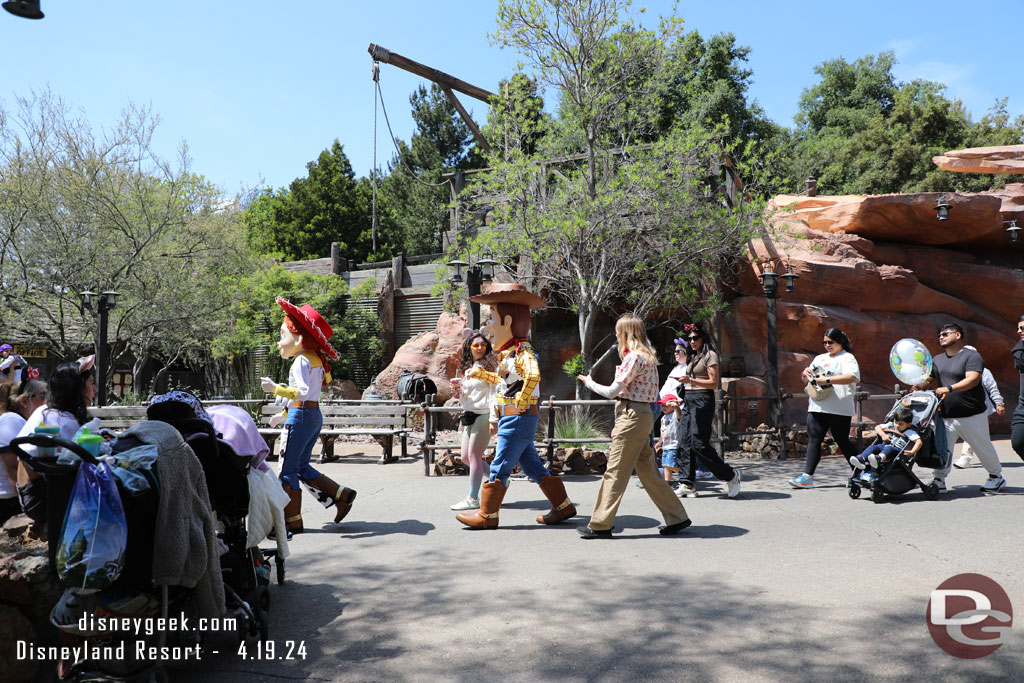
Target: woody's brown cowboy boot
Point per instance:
(561, 507)
(340, 496)
(491, 495)
(293, 510)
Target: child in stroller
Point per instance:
(893, 462)
(898, 437)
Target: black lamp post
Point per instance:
(105, 301)
(29, 9)
(476, 274)
(942, 208)
(770, 285)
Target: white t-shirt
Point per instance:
(8, 362)
(10, 425)
(840, 400)
(306, 378)
(669, 431)
(477, 395)
(902, 440)
(676, 377)
(58, 418)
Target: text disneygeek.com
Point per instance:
(118, 644)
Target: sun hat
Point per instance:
(509, 293)
(312, 322)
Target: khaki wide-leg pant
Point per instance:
(631, 449)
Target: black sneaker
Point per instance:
(586, 532)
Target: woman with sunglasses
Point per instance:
(836, 368)
(477, 399)
(1017, 422)
(18, 400)
(698, 415)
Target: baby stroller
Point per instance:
(896, 476)
(106, 654)
(236, 427)
(244, 570)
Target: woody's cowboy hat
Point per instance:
(311, 322)
(509, 293)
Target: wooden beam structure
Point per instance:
(447, 82)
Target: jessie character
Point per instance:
(518, 391)
(304, 335)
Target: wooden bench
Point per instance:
(118, 418)
(385, 419)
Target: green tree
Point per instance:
(81, 210)
(860, 131)
(329, 205)
(414, 196)
(256, 318)
(638, 219)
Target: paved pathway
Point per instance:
(775, 585)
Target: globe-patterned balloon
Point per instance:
(910, 361)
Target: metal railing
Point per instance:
(723, 399)
(429, 445)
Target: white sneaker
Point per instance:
(734, 484)
(994, 484)
(939, 483)
(467, 504)
(963, 462)
(685, 491)
(875, 461)
(855, 461)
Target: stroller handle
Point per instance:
(48, 441)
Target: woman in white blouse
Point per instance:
(836, 369)
(477, 399)
(635, 388)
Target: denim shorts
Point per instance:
(668, 457)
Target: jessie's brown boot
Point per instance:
(340, 496)
(561, 507)
(491, 495)
(293, 510)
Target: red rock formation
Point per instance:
(883, 268)
(434, 353)
(1002, 159)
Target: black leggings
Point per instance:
(817, 425)
(695, 436)
(1017, 430)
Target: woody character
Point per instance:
(518, 392)
(304, 337)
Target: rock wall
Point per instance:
(882, 268)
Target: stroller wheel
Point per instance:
(877, 495)
(264, 625)
(279, 563)
(854, 491)
(931, 492)
(264, 598)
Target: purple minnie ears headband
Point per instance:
(679, 341)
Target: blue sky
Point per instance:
(257, 89)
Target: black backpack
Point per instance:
(414, 387)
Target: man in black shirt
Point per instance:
(958, 372)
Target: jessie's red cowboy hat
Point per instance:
(313, 323)
(509, 293)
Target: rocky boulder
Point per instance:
(434, 353)
(999, 159)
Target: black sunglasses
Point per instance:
(694, 338)
(828, 342)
